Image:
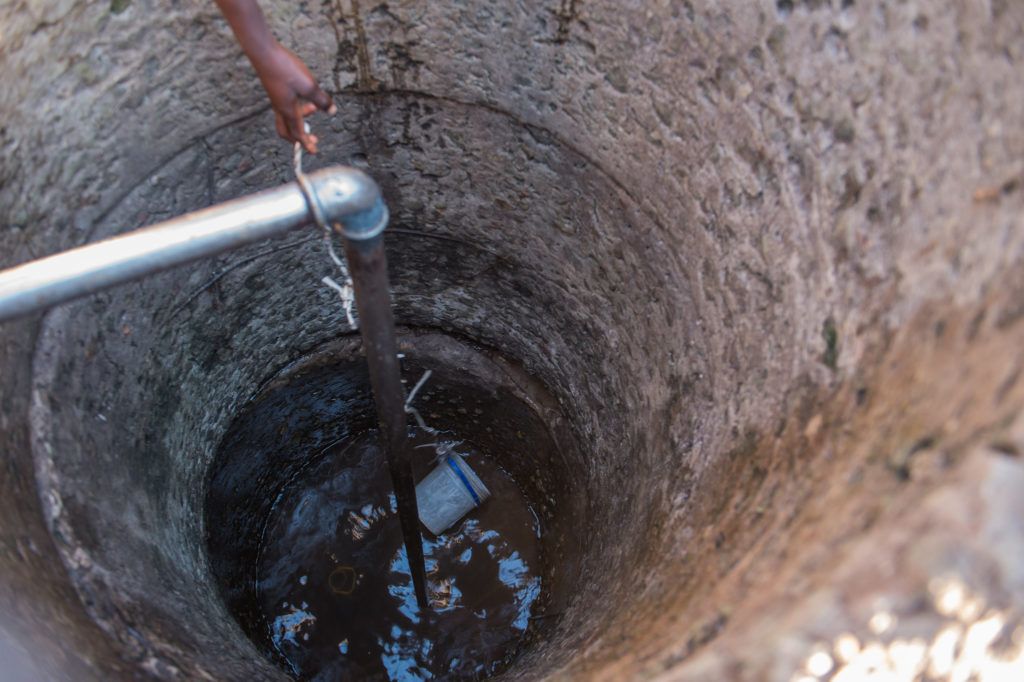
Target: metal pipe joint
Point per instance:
(352, 200)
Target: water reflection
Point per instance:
(335, 548)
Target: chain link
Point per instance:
(345, 290)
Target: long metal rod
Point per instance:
(368, 268)
(343, 193)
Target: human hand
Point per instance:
(294, 93)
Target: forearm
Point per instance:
(292, 89)
(250, 28)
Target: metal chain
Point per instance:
(345, 290)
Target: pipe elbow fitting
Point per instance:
(350, 197)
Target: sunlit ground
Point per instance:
(976, 642)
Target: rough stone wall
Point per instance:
(834, 191)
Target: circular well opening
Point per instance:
(304, 540)
(539, 258)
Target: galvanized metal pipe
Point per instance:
(345, 195)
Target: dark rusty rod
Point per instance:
(369, 271)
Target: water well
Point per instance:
(754, 269)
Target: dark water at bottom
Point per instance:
(334, 584)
